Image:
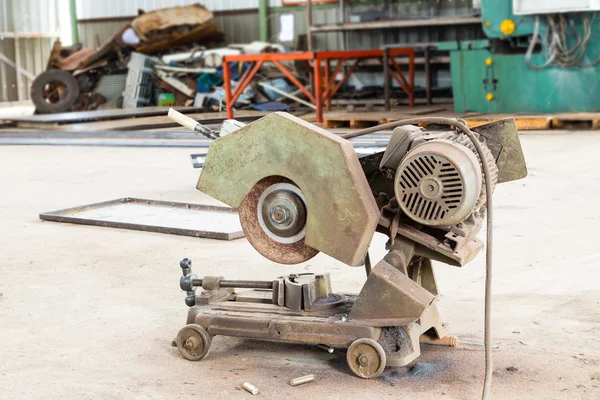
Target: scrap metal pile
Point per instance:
(165, 57)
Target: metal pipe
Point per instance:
(8, 61)
(387, 91)
(263, 20)
(368, 267)
(309, 38)
(288, 95)
(238, 284)
(343, 20)
(186, 70)
(302, 380)
(16, 23)
(74, 26)
(227, 86)
(295, 92)
(427, 55)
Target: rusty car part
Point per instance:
(75, 60)
(54, 91)
(382, 325)
(155, 24)
(173, 27)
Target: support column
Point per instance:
(263, 20)
(309, 37)
(74, 25)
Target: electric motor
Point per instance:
(439, 182)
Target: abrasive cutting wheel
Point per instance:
(273, 216)
(366, 358)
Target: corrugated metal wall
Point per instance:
(25, 17)
(238, 28)
(88, 9)
(245, 27)
(377, 38)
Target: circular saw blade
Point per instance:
(282, 253)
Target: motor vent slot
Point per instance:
(438, 183)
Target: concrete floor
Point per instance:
(88, 312)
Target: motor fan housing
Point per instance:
(438, 183)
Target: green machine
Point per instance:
(539, 57)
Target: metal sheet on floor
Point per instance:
(173, 218)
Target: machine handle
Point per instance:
(192, 124)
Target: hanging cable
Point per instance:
(487, 384)
(561, 32)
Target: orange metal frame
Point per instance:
(323, 90)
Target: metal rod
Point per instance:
(238, 284)
(243, 84)
(263, 20)
(330, 83)
(302, 380)
(427, 55)
(16, 23)
(186, 70)
(411, 78)
(318, 87)
(295, 93)
(327, 76)
(74, 26)
(342, 20)
(8, 61)
(368, 264)
(387, 92)
(309, 38)
(293, 79)
(288, 95)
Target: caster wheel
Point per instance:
(366, 358)
(193, 342)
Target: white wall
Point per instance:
(88, 9)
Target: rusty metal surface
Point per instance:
(325, 167)
(502, 138)
(268, 321)
(366, 358)
(432, 247)
(160, 29)
(114, 114)
(283, 253)
(155, 216)
(166, 18)
(390, 298)
(74, 61)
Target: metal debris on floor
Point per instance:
(250, 388)
(155, 216)
(301, 380)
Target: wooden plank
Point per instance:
(333, 123)
(523, 122)
(101, 115)
(580, 121)
(358, 120)
(142, 123)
